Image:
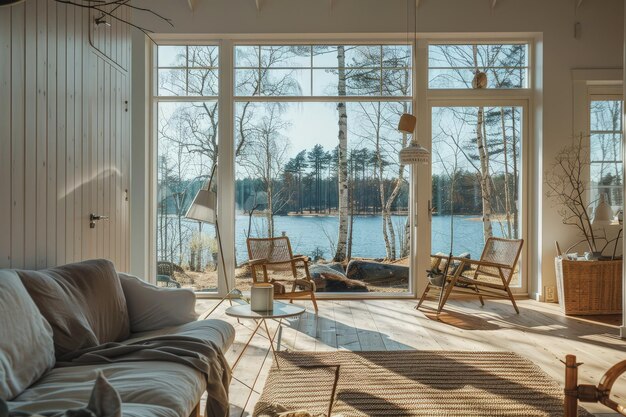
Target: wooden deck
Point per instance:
(540, 333)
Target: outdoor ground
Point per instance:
(208, 279)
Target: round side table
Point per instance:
(280, 311)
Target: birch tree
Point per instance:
(342, 177)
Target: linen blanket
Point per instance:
(202, 355)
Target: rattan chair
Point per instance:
(274, 254)
(490, 276)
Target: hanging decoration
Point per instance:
(480, 80)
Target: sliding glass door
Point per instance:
(477, 177)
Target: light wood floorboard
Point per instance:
(540, 333)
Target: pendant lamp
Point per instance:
(414, 153)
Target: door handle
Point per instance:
(93, 218)
(431, 209)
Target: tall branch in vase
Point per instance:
(107, 8)
(567, 186)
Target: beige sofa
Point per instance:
(48, 319)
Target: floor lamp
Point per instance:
(204, 209)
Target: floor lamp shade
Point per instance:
(204, 207)
(603, 214)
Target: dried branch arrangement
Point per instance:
(566, 181)
(106, 8)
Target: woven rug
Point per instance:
(411, 383)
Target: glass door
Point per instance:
(477, 178)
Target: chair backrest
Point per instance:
(275, 249)
(501, 251)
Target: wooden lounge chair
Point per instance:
(590, 393)
(490, 276)
(275, 254)
(167, 272)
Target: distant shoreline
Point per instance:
(475, 216)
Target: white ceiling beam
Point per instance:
(192, 4)
(258, 5)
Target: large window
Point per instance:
(309, 150)
(605, 142)
(186, 133)
(316, 150)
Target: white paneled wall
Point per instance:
(64, 136)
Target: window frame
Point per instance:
(477, 41)
(588, 86)
(421, 98)
(436, 97)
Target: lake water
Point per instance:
(317, 234)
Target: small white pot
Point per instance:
(262, 297)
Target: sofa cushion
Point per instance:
(151, 307)
(217, 331)
(26, 346)
(147, 389)
(83, 302)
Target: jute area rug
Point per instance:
(411, 383)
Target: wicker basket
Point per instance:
(589, 287)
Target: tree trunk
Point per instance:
(515, 179)
(192, 260)
(485, 180)
(342, 177)
(485, 177)
(180, 230)
(507, 193)
(269, 213)
(406, 245)
(351, 200)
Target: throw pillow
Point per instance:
(83, 302)
(26, 346)
(151, 307)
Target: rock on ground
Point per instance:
(329, 279)
(378, 273)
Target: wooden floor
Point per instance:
(540, 333)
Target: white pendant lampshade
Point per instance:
(414, 154)
(203, 208)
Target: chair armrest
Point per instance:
(300, 258)
(259, 261)
(152, 308)
(481, 263)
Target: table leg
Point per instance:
(280, 334)
(243, 350)
(271, 339)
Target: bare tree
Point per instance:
(265, 158)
